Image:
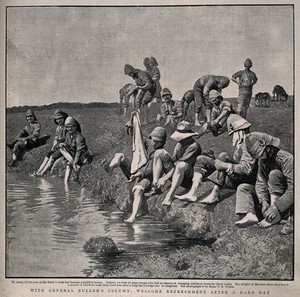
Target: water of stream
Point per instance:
(48, 223)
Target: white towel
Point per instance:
(139, 156)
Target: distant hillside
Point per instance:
(62, 105)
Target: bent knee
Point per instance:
(245, 188)
(275, 174)
(181, 165)
(160, 153)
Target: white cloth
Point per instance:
(139, 156)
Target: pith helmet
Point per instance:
(256, 142)
(213, 94)
(69, 122)
(235, 123)
(183, 131)
(146, 61)
(166, 91)
(153, 61)
(129, 69)
(158, 134)
(29, 112)
(248, 63)
(58, 114)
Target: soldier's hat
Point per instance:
(235, 123)
(256, 142)
(128, 69)
(183, 131)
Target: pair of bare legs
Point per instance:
(251, 219)
(138, 192)
(177, 174)
(203, 120)
(70, 167)
(191, 196)
(45, 166)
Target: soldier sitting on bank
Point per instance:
(274, 188)
(170, 110)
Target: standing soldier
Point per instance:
(245, 80)
(201, 89)
(146, 87)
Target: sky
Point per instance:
(77, 54)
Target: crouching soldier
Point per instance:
(146, 89)
(226, 171)
(126, 92)
(274, 188)
(74, 149)
(27, 139)
(144, 176)
(219, 114)
(201, 89)
(170, 110)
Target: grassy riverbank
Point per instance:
(251, 253)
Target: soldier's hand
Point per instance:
(135, 176)
(160, 183)
(220, 165)
(271, 213)
(264, 207)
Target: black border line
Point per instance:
(150, 6)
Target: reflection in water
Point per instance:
(48, 224)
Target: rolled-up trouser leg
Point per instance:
(200, 107)
(219, 176)
(205, 166)
(277, 183)
(246, 199)
(125, 167)
(19, 149)
(162, 163)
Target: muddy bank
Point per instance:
(218, 249)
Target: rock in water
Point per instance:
(101, 244)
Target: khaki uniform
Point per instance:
(275, 176)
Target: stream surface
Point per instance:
(48, 223)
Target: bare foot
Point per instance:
(106, 167)
(210, 199)
(265, 224)
(248, 220)
(130, 220)
(167, 201)
(187, 197)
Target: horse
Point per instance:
(126, 92)
(279, 94)
(262, 99)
